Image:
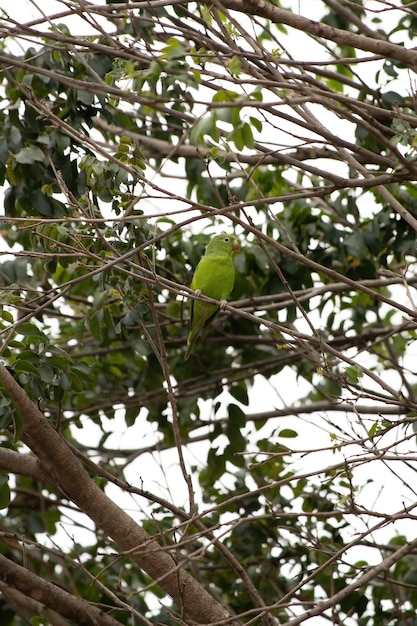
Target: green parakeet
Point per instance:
(214, 277)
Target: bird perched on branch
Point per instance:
(214, 277)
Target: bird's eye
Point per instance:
(226, 239)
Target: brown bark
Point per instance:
(67, 472)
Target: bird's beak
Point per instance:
(235, 246)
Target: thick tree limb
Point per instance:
(20, 603)
(46, 593)
(262, 8)
(67, 472)
(22, 464)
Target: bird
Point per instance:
(214, 277)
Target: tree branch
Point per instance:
(262, 8)
(46, 593)
(67, 472)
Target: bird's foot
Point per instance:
(223, 305)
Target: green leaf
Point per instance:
(238, 138)
(174, 49)
(240, 393)
(355, 245)
(237, 442)
(236, 416)
(46, 374)
(26, 366)
(4, 492)
(136, 315)
(65, 381)
(288, 433)
(94, 325)
(256, 123)
(59, 352)
(31, 330)
(17, 425)
(29, 155)
(7, 316)
(225, 95)
(247, 136)
(353, 374)
(234, 66)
